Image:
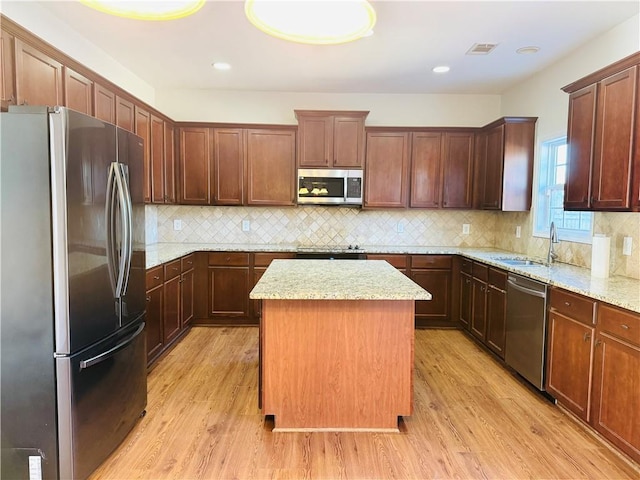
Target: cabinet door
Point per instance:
(194, 167)
(478, 325)
(457, 171)
(613, 152)
(315, 143)
(169, 163)
(426, 157)
(125, 115)
(387, 169)
(156, 173)
(104, 103)
(143, 129)
(38, 77)
(434, 312)
(580, 132)
(7, 64)
(348, 141)
(228, 169)
(271, 167)
(493, 161)
(569, 363)
(465, 300)
(78, 92)
(256, 305)
(229, 292)
(496, 319)
(171, 311)
(154, 320)
(187, 280)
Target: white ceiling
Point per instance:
(411, 37)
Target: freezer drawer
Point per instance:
(102, 392)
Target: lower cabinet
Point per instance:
(261, 262)
(466, 286)
(155, 307)
(478, 323)
(228, 298)
(496, 311)
(433, 273)
(187, 290)
(171, 315)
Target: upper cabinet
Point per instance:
(457, 171)
(104, 103)
(194, 166)
(7, 76)
(78, 92)
(505, 164)
(229, 158)
(603, 171)
(426, 164)
(386, 182)
(331, 139)
(143, 130)
(38, 77)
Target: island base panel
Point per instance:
(337, 364)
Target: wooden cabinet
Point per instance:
(425, 172)
(602, 132)
(457, 169)
(397, 260)
(261, 262)
(194, 166)
(570, 350)
(386, 169)
(433, 273)
(104, 103)
(187, 290)
(169, 163)
(466, 286)
(496, 310)
(7, 70)
(229, 158)
(271, 167)
(125, 114)
(505, 164)
(616, 379)
(78, 92)
(156, 173)
(38, 77)
(155, 309)
(143, 130)
(171, 315)
(229, 288)
(331, 139)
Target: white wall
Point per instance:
(49, 28)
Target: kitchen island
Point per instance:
(336, 344)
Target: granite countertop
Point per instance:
(336, 280)
(620, 291)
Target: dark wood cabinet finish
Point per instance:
(155, 309)
(194, 166)
(496, 311)
(229, 157)
(261, 262)
(433, 273)
(104, 103)
(229, 285)
(171, 315)
(271, 167)
(492, 166)
(169, 163)
(78, 92)
(143, 130)
(38, 77)
(386, 170)
(426, 160)
(478, 325)
(457, 169)
(328, 139)
(125, 114)
(465, 300)
(187, 290)
(157, 160)
(7, 71)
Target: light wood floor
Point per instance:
(472, 419)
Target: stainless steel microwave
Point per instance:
(329, 187)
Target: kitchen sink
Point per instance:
(519, 262)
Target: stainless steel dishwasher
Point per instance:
(525, 349)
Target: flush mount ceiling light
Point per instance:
(312, 21)
(147, 9)
(528, 50)
(221, 66)
(441, 69)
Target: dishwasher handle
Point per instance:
(528, 291)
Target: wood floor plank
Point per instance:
(472, 419)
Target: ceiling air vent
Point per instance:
(481, 48)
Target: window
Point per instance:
(571, 226)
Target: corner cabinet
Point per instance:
(603, 171)
(331, 139)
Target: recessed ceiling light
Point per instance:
(145, 10)
(314, 22)
(221, 66)
(441, 69)
(528, 50)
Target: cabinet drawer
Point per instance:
(480, 271)
(398, 261)
(466, 266)
(229, 259)
(431, 261)
(264, 259)
(498, 278)
(187, 262)
(574, 306)
(155, 277)
(171, 269)
(618, 322)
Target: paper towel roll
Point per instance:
(600, 256)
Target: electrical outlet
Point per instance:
(466, 228)
(518, 231)
(400, 227)
(177, 225)
(627, 243)
(246, 225)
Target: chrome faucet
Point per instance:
(553, 238)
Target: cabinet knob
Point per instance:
(467, 281)
(175, 268)
(568, 304)
(626, 327)
(598, 342)
(156, 277)
(148, 299)
(587, 337)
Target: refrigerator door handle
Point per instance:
(125, 217)
(110, 225)
(112, 351)
(127, 227)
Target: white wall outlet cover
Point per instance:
(400, 227)
(246, 225)
(177, 225)
(466, 228)
(627, 244)
(518, 231)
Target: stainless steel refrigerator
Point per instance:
(73, 366)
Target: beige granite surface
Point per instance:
(336, 280)
(616, 290)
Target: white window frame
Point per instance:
(545, 186)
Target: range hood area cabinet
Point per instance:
(236, 166)
(331, 139)
(603, 134)
(504, 164)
